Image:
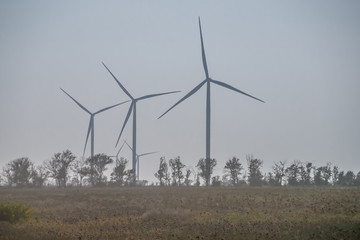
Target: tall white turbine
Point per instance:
(91, 123)
(138, 160)
(133, 110)
(207, 80)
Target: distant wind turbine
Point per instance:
(208, 80)
(138, 159)
(117, 155)
(91, 123)
(133, 110)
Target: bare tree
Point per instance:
(163, 174)
(233, 167)
(187, 180)
(306, 173)
(206, 168)
(279, 171)
(98, 165)
(335, 175)
(347, 179)
(270, 179)
(176, 170)
(39, 176)
(130, 177)
(255, 176)
(323, 175)
(59, 166)
(293, 173)
(327, 173)
(18, 172)
(6, 175)
(357, 180)
(81, 170)
(119, 172)
(215, 181)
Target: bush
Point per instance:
(14, 212)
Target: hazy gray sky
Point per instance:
(301, 57)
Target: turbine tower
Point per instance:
(138, 160)
(91, 123)
(207, 81)
(132, 109)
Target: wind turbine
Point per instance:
(138, 159)
(207, 81)
(117, 155)
(132, 109)
(91, 123)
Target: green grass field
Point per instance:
(185, 213)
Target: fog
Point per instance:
(300, 57)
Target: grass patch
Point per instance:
(186, 213)
(14, 212)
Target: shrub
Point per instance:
(14, 212)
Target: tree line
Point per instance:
(65, 169)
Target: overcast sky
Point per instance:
(301, 57)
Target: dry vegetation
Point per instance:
(186, 213)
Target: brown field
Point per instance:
(186, 213)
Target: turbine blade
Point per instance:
(137, 156)
(88, 133)
(107, 108)
(76, 102)
(120, 150)
(121, 86)
(128, 145)
(155, 95)
(126, 120)
(186, 96)
(234, 89)
(147, 153)
(203, 52)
